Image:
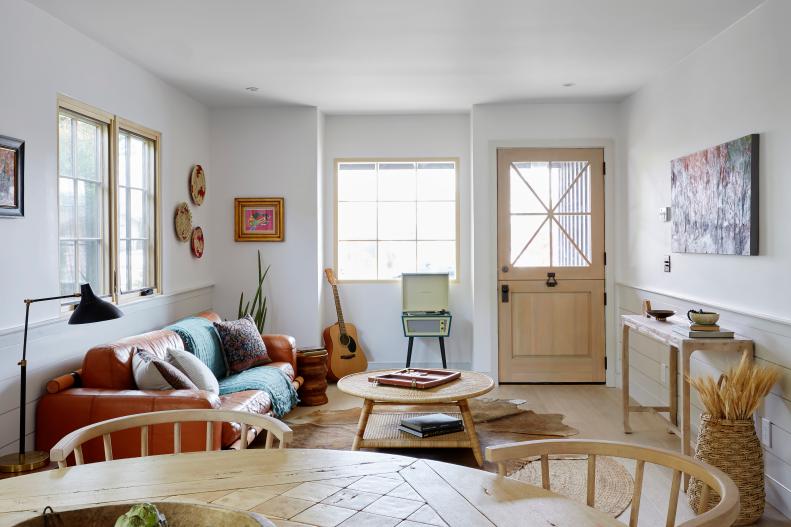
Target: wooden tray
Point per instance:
(419, 378)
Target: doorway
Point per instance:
(551, 259)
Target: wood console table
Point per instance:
(663, 332)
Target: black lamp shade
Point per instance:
(93, 309)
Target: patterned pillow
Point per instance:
(242, 344)
(152, 373)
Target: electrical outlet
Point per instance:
(663, 373)
(667, 263)
(766, 432)
(664, 213)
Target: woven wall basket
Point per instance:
(734, 448)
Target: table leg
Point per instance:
(673, 385)
(409, 351)
(625, 379)
(469, 426)
(686, 353)
(442, 350)
(362, 423)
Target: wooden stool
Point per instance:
(312, 366)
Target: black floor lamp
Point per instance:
(90, 309)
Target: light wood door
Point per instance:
(551, 264)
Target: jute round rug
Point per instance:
(568, 476)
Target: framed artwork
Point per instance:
(259, 219)
(714, 199)
(12, 176)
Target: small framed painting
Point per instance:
(259, 219)
(12, 176)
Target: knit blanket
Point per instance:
(268, 379)
(202, 340)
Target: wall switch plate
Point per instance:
(663, 373)
(766, 432)
(664, 213)
(667, 263)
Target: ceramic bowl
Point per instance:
(703, 318)
(661, 314)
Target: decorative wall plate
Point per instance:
(197, 242)
(183, 221)
(197, 185)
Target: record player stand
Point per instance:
(441, 349)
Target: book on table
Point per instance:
(432, 423)
(704, 327)
(692, 334)
(432, 433)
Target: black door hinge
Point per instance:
(605, 257)
(603, 168)
(605, 363)
(605, 299)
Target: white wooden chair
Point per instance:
(73, 442)
(723, 514)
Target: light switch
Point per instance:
(664, 213)
(766, 432)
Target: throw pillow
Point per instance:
(152, 373)
(242, 344)
(194, 369)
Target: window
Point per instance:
(394, 217)
(107, 203)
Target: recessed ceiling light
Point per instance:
(252, 88)
(568, 84)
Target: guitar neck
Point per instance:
(339, 311)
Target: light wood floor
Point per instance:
(596, 412)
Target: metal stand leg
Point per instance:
(442, 350)
(409, 351)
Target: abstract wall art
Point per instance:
(259, 219)
(714, 198)
(12, 176)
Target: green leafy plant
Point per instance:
(258, 307)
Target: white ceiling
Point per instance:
(401, 55)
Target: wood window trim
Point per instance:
(340, 160)
(115, 124)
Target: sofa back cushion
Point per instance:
(201, 339)
(109, 366)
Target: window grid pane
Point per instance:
(81, 199)
(395, 217)
(135, 210)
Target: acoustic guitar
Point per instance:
(345, 356)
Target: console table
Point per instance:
(663, 332)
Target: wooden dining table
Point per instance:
(298, 488)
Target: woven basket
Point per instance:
(734, 448)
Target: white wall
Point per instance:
(376, 308)
(269, 152)
(43, 58)
(528, 125)
(735, 85)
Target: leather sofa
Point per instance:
(105, 388)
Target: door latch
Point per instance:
(504, 292)
(551, 281)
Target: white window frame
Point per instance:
(109, 232)
(339, 161)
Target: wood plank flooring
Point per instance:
(596, 412)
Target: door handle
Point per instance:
(504, 293)
(551, 281)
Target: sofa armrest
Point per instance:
(282, 348)
(61, 413)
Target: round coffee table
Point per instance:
(380, 430)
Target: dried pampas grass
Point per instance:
(738, 392)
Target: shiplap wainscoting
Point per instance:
(772, 338)
(55, 348)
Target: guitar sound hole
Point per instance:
(352, 345)
(344, 339)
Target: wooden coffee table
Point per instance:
(380, 430)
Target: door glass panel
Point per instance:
(550, 214)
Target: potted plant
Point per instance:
(258, 307)
(727, 438)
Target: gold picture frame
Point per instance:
(259, 219)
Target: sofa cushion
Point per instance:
(153, 373)
(251, 401)
(194, 369)
(242, 344)
(109, 366)
(273, 380)
(201, 339)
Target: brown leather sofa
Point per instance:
(105, 388)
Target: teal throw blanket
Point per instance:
(202, 340)
(266, 378)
